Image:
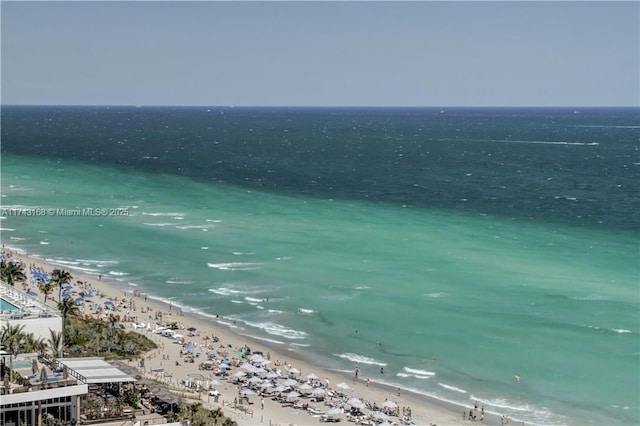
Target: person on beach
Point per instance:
(517, 377)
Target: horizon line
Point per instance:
(310, 106)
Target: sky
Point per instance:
(304, 53)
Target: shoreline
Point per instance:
(426, 410)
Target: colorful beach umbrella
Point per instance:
(32, 293)
(79, 299)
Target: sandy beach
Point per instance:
(208, 352)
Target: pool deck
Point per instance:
(26, 306)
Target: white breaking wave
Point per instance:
(159, 224)
(621, 330)
(203, 227)
(436, 295)
(278, 330)
(418, 374)
(224, 291)
(360, 359)
(63, 262)
(117, 273)
(97, 262)
(164, 214)
(536, 142)
(234, 266)
(590, 297)
(452, 388)
(604, 126)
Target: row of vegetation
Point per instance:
(86, 337)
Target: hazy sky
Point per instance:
(321, 53)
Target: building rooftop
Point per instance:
(93, 370)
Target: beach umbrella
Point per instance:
(246, 392)
(88, 295)
(34, 366)
(343, 385)
(389, 404)
(290, 382)
(260, 370)
(79, 299)
(255, 379)
(66, 295)
(248, 367)
(43, 375)
(266, 385)
(355, 402)
(294, 370)
(32, 293)
(293, 394)
(240, 374)
(223, 366)
(191, 329)
(335, 410)
(305, 386)
(7, 382)
(312, 376)
(67, 287)
(212, 352)
(380, 416)
(280, 388)
(318, 391)
(272, 375)
(189, 347)
(108, 302)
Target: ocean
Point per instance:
(506, 241)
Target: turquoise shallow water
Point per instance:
(377, 284)
(505, 241)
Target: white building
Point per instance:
(58, 395)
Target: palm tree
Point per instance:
(66, 307)
(11, 333)
(12, 272)
(46, 288)
(55, 342)
(61, 278)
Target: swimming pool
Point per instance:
(6, 306)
